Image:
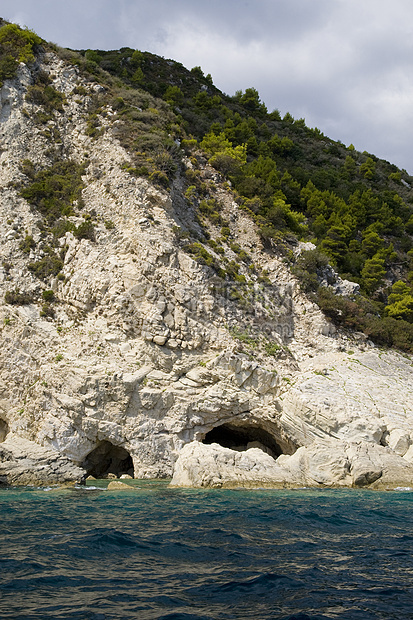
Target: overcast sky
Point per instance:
(346, 66)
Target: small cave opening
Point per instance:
(4, 429)
(108, 459)
(243, 437)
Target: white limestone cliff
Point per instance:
(145, 356)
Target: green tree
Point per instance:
(400, 304)
(93, 56)
(174, 95)
(371, 243)
(224, 156)
(136, 59)
(334, 243)
(138, 76)
(350, 166)
(197, 72)
(18, 42)
(373, 273)
(368, 169)
(250, 100)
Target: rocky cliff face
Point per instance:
(146, 358)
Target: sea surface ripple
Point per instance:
(170, 554)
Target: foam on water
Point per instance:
(193, 554)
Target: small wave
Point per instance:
(183, 616)
(261, 583)
(89, 488)
(102, 542)
(403, 489)
(303, 616)
(9, 566)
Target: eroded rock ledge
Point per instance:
(26, 463)
(326, 464)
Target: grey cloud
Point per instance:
(262, 20)
(344, 65)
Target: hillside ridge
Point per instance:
(146, 306)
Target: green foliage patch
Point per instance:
(46, 96)
(53, 191)
(16, 45)
(46, 267)
(18, 298)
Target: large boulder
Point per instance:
(24, 462)
(330, 463)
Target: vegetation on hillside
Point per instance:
(296, 183)
(16, 45)
(292, 180)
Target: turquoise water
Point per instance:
(159, 553)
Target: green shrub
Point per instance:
(85, 230)
(272, 348)
(27, 244)
(46, 267)
(47, 96)
(340, 309)
(48, 296)
(27, 168)
(93, 56)
(8, 67)
(16, 45)
(225, 232)
(61, 227)
(47, 310)
(189, 145)
(309, 265)
(244, 336)
(201, 255)
(53, 191)
(93, 129)
(159, 178)
(181, 233)
(209, 208)
(18, 298)
(390, 332)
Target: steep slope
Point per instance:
(134, 323)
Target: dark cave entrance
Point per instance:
(108, 459)
(241, 438)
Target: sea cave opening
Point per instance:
(242, 437)
(108, 459)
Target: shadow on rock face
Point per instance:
(108, 459)
(4, 429)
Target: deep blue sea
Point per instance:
(160, 553)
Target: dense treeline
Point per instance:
(298, 185)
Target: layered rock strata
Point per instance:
(148, 351)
